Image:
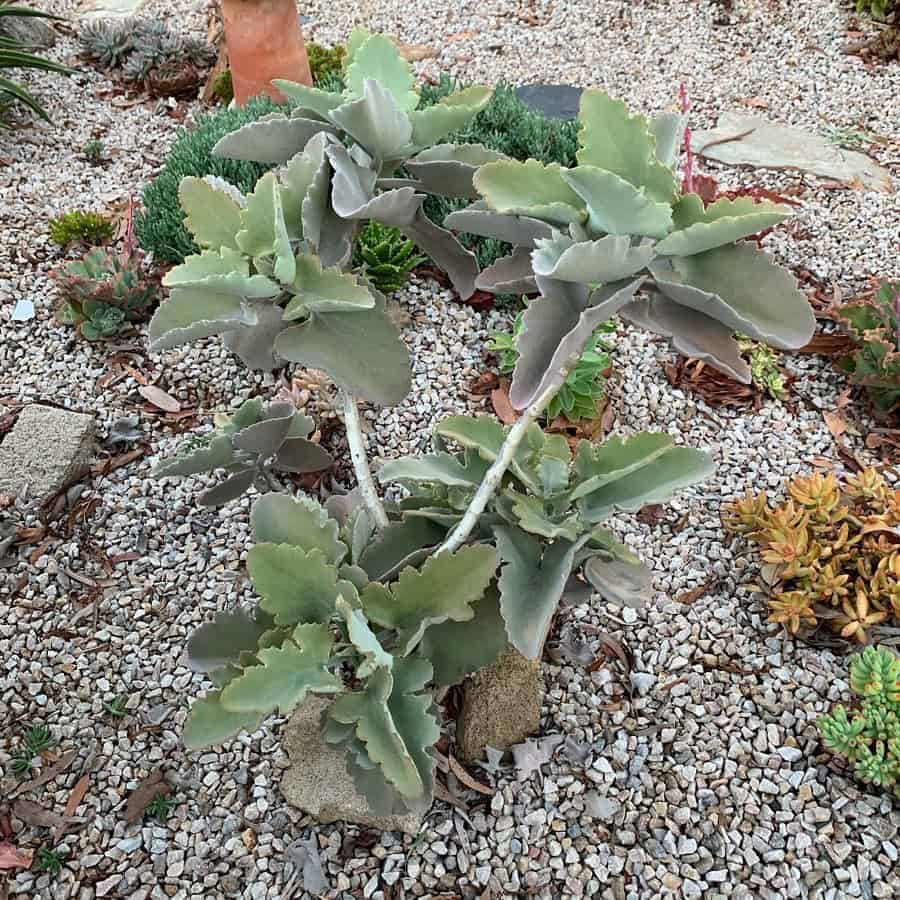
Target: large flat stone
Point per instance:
(318, 782)
(501, 706)
(555, 101)
(46, 449)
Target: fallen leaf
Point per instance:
(13, 858)
(105, 466)
(693, 595)
(159, 398)
(529, 756)
(835, 423)
(144, 794)
(829, 344)
(77, 795)
(612, 648)
(651, 514)
(467, 779)
(502, 407)
(755, 102)
(47, 775)
(303, 855)
(716, 388)
(38, 817)
(484, 384)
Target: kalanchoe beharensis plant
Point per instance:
(874, 324)
(273, 276)
(252, 447)
(869, 735)
(370, 603)
(380, 617)
(588, 238)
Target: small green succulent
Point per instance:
(160, 807)
(79, 225)
(874, 324)
(50, 860)
(103, 292)
(386, 257)
(869, 735)
(877, 9)
(37, 739)
(223, 86)
(93, 151)
(764, 367)
(577, 398)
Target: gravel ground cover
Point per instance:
(700, 774)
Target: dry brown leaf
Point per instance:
(77, 794)
(143, 795)
(835, 423)
(829, 345)
(11, 857)
(652, 514)
(755, 102)
(712, 385)
(693, 595)
(460, 772)
(35, 815)
(47, 775)
(159, 398)
(105, 466)
(502, 407)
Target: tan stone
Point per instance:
(501, 706)
(47, 449)
(318, 782)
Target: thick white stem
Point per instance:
(494, 475)
(364, 479)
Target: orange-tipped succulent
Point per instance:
(835, 548)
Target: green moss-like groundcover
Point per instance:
(506, 124)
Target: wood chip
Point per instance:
(693, 595)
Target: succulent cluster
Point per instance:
(105, 291)
(80, 226)
(585, 386)
(385, 257)
(251, 446)
(379, 617)
(869, 735)
(765, 368)
(874, 323)
(833, 551)
(147, 52)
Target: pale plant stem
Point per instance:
(494, 475)
(364, 479)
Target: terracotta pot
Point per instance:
(264, 41)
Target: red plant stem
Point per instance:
(687, 185)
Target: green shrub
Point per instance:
(160, 227)
(79, 225)
(877, 9)
(223, 87)
(324, 62)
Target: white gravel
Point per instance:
(708, 782)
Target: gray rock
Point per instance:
(318, 782)
(31, 33)
(555, 101)
(501, 706)
(47, 448)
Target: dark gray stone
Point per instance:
(555, 101)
